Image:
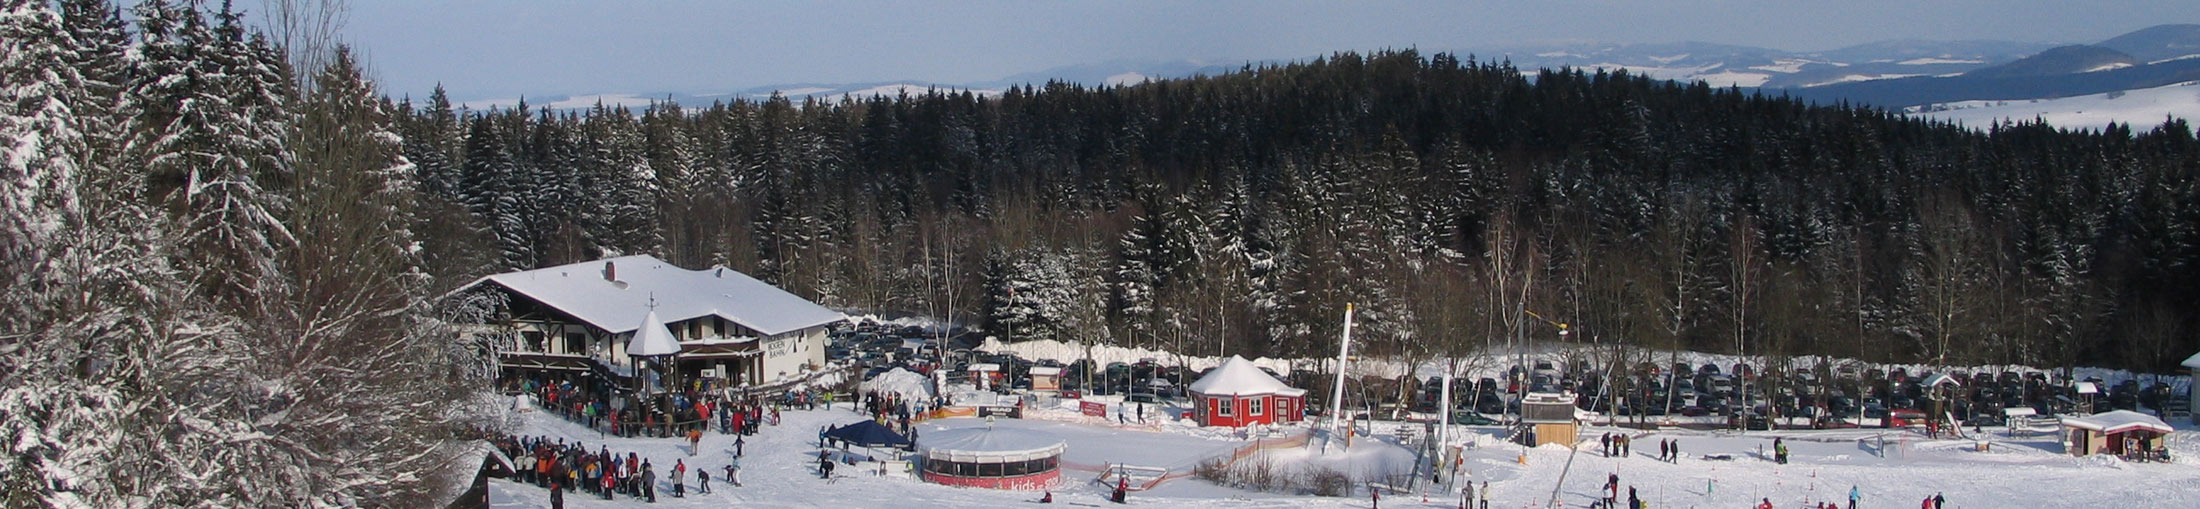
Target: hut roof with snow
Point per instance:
(2118, 422)
(651, 338)
(2193, 361)
(1238, 376)
(613, 294)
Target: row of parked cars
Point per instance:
(1827, 395)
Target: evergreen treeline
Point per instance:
(1240, 213)
(214, 293)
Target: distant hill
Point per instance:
(2063, 60)
(2149, 58)
(2158, 43)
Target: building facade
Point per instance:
(733, 330)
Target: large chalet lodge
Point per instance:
(572, 321)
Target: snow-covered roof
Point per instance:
(2118, 422)
(2193, 361)
(1238, 376)
(652, 338)
(988, 444)
(983, 366)
(588, 292)
(1045, 371)
(1941, 378)
(2088, 388)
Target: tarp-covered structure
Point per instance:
(867, 433)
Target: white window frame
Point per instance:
(1259, 407)
(1227, 408)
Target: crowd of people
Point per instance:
(571, 468)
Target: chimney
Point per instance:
(610, 272)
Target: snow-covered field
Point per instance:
(779, 470)
(2143, 109)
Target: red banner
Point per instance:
(1093, 409)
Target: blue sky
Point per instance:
(503, 48)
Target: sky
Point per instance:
(503, 48)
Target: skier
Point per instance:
(1632, 501)
(557, 496)
(649, 484)
(738, 445)
(679, 478)
(1665, 449)
(695, 440)
(1611, 485)
(1047, 499)
(1122, 485)
(1376, 497)
(824, 465)
(1765, 503)
(702, 480)
(1607, 441)
(1939, 503)
(1854, 496)
(733, 472)
(1485, 494)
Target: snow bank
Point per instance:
(910, 386)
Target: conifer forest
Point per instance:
(245, 260)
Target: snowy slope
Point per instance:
(2143, 108)
(2019, 471)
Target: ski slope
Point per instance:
(779, 470)
(2143, 109)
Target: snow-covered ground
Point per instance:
(2143, 109)
(2014, 472)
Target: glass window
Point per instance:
(1015, 468)
(966, 469)
(989, 469)
(1223, 407)
(1258, 407)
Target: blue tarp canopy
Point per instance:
(867, 433)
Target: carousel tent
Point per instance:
(990, 457)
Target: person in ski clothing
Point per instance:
(679, 478)
(608, 485)
(1854, 496)
(1939, 503)
(1607, 441)
(733, 472)
(1485, 494)
(1632, 501)
(1611, 484)
(1047, 499)
(1122, 485)
(702, 480)
(824, 465)
(695, 441)
(649, 484)
(557, 496)
(738, 444)
(1765, 503)
(1376, 497)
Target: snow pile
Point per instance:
(910, 386)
